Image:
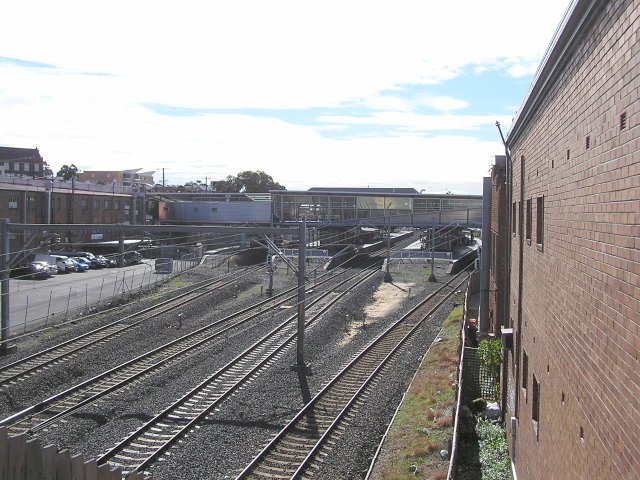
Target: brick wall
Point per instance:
(27, 204)
(575, 299)
(498, 248)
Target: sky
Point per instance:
(314, 93)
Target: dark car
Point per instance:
(106, 262)
(132, 258)
(30, 271)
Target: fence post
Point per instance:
(17, 455)
(26, 312)
(46, 322)
(66, 315)
(101, 287)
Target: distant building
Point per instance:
(21, 162)
(125, 178)
(27, 200)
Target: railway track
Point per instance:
(44, 414)
(146, 444)
(66, 351)
(297, 451)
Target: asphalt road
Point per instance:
(33, 303)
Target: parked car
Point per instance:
(82, 266)
(132, 258)
(88, 255)
(51, 259)
(70, 265)
(91, 263)
(30, 270)
(106, 262)
(53, 269)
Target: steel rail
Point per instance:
(298, 443)
(44, 413)
(10, 374)
(141, 448)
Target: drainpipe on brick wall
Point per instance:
(504, 384)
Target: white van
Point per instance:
(57, 260)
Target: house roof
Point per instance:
(18, 154)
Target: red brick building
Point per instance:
(574, 296)
(24, 200)
(498, 259)
(22, 162)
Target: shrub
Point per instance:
(490, 352)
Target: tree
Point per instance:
(67, 172)
(248, 181)
(47, 170)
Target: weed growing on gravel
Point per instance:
(424, 425)
(178, 283)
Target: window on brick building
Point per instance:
(83, 203)
(535, 405)
(96, 204)
(539, 220)
(525, 373)
(13, 202)
(116, 204)
(521, 219)
(107, 204)
(528, 221)
(31, 202)
(513, 218)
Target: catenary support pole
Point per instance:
(4, 284)
(432, 277)
(301, 366)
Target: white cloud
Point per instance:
(444, 103)
(260, 55)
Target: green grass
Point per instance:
(424, 424)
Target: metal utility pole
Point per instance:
(301, 367)
(432, 277)
(387, 274)
(4, 285)
(269, 270)
(48, 186)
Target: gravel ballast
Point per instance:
(232, 435)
